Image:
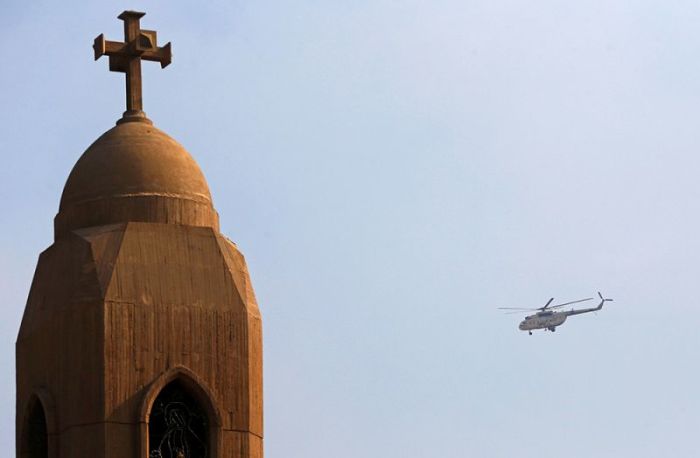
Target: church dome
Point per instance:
(135, 172)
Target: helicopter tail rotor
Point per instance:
(603, 300)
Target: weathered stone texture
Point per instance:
(127, 300)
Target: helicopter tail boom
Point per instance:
(593, 309)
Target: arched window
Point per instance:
(177, 426)
(35, 443)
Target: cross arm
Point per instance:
(103, 47)
(118, 49)
(164, 55)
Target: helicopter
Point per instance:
(549, 319)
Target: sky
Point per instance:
(394, 171)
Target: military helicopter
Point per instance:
(549, 319)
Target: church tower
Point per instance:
(141, 336)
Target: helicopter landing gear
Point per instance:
(552, 329)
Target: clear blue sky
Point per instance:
(394, 171)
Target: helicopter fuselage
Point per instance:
(543, 320)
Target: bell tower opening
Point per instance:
(35, 443)
(178, 426)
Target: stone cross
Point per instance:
(126, 58)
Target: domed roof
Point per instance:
(135, 172)
(135, 158)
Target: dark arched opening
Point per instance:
(178, 426)
(35, 443)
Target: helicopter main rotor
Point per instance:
(543, 308)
